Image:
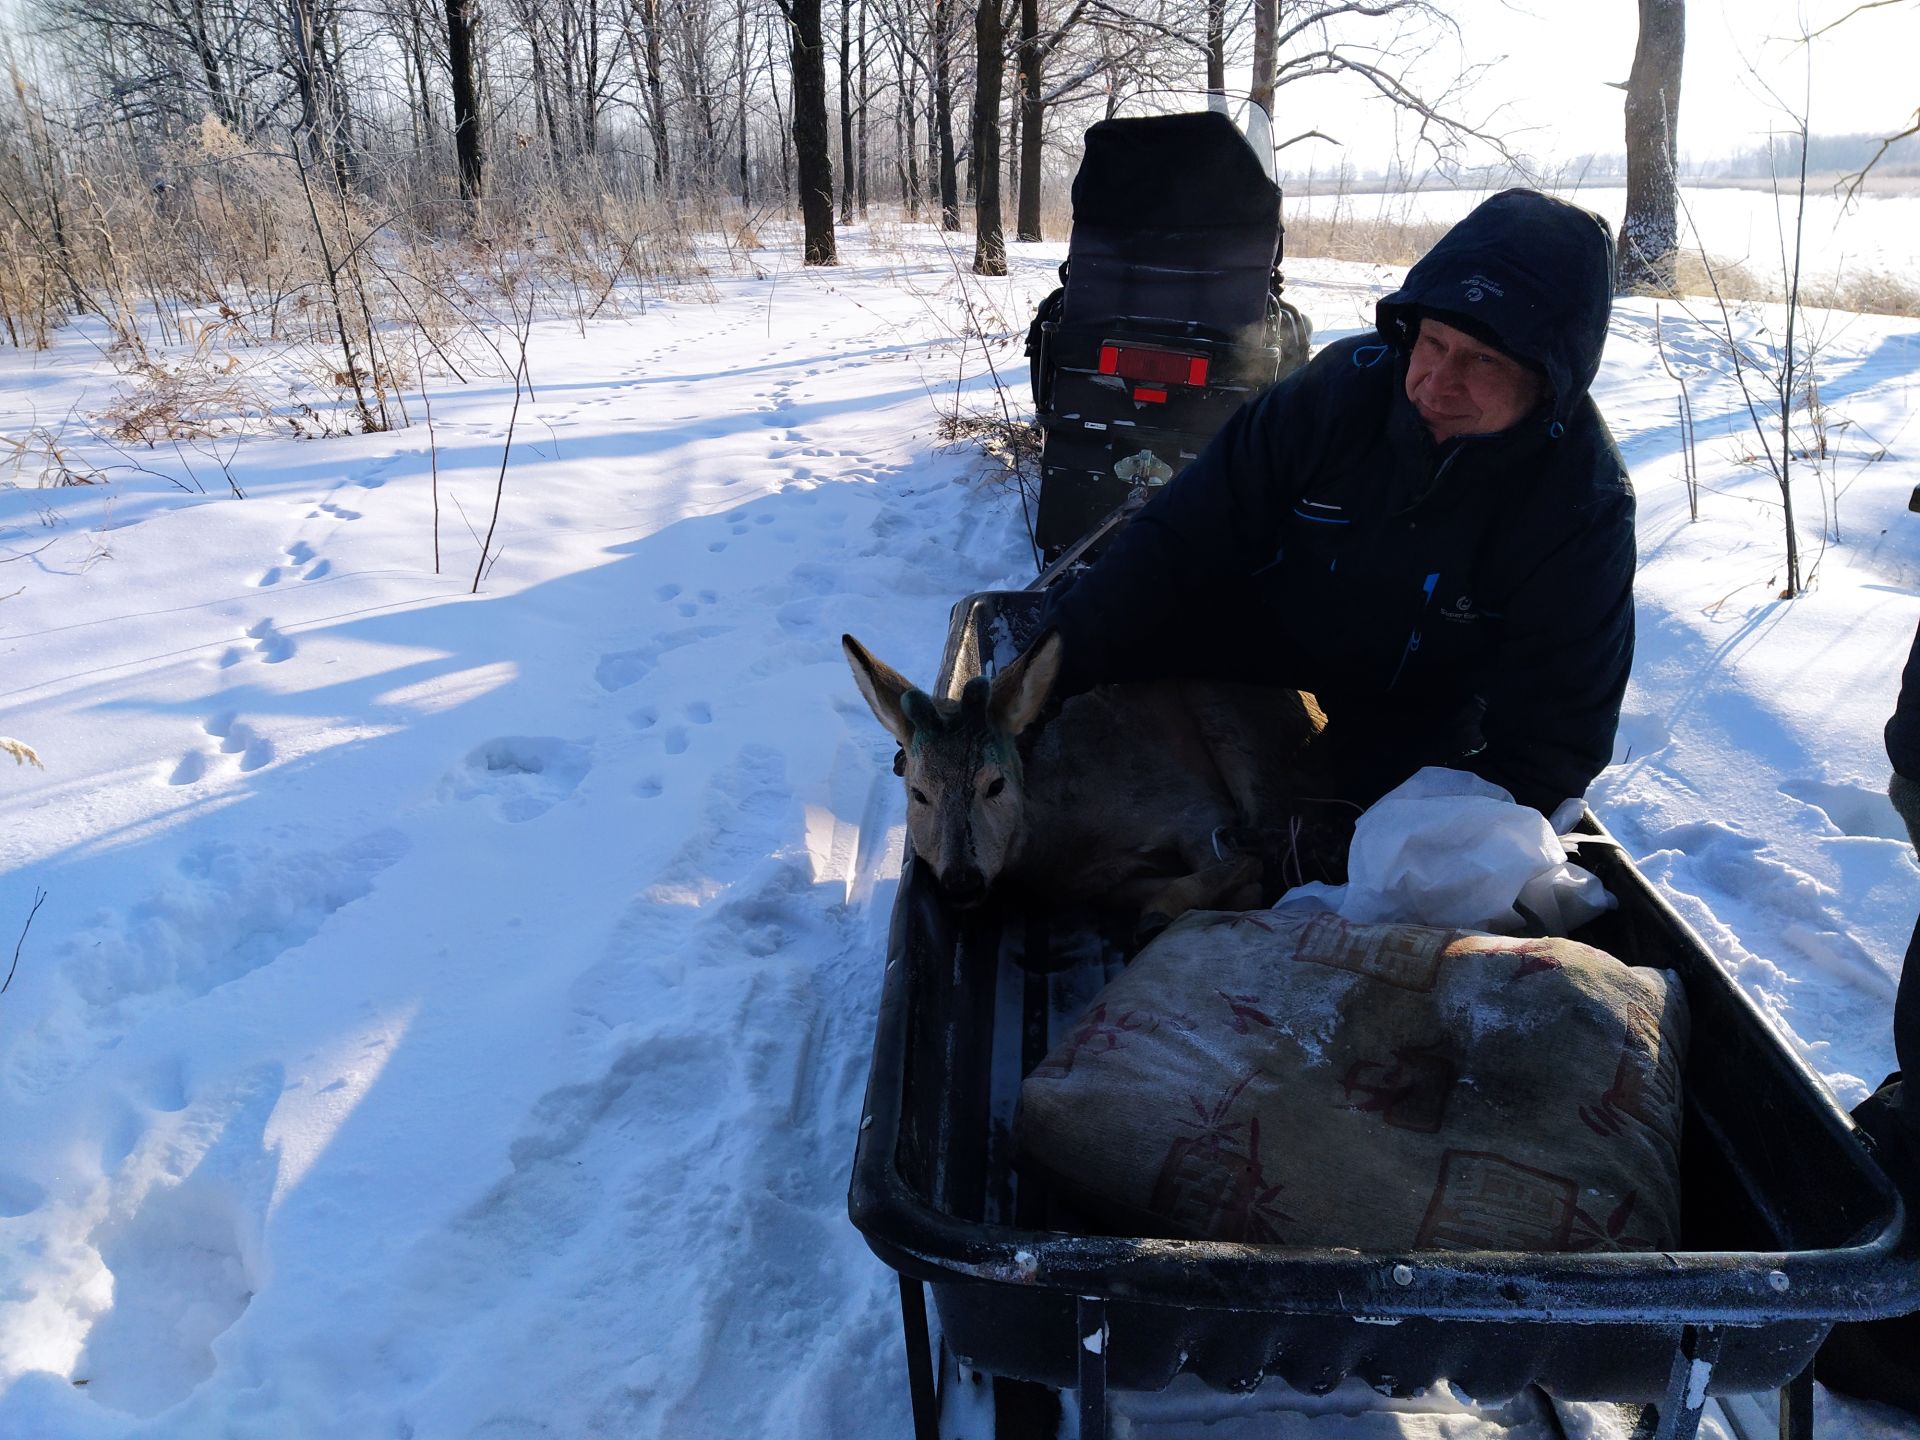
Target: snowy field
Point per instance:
(1751, 227)
(449, 1012)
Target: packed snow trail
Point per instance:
(450, 1013)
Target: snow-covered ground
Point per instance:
(449, 1012)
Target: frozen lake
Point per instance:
(1877, 233)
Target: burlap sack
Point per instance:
(1298, 1079)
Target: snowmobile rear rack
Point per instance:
(1788, 1224)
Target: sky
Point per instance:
(1552, 64)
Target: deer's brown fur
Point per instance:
(1120, 800)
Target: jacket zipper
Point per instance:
(1413, 639)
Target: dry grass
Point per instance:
(1378, 240)
(1870, 292)
(1012, 445)
(38, 460)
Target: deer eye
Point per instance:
(998, 784)
(919, 796)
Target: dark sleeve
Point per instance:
(1903, 730)
(1139, 613)
(1554, 684)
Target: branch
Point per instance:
(1854, 181)
(39, 899)
(1858, 9)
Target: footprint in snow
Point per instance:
(236, 737)
(621, 668)
(269, 643)
(1638, 737)
(700, 713)
(523, 775)
(1850, 809)
(339, 512)
(177, 1253)
(648, 787)
(645, 718)
(191, 769)
(666, 592)
(19, 1196)
(677, 741)
(222, 911)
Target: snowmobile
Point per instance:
(1169, 315)
(1789, 1221)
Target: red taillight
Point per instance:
(1160, 367)
(1151, 394)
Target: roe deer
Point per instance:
(1124, 798)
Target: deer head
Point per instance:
(966, 800)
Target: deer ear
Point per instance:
(1020, 691)
(884, 688)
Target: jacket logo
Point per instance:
(1460, 611)
(1479, 285)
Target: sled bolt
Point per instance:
(867, 1124)
(1778, 1280)
(1403, 1274)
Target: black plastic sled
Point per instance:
(1170, 314)
(1789, 1224)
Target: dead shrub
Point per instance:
(189, 400)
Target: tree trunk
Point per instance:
(943, 113)
(846, 112)
(990, 43)
(1013, 130)
(812, 138)
(1032, 109)
(657, 96)
(429, 130)
(740, 51)
(866, 95)
(466, 105)
(1650, 233)
(910, 175)
(1216, 47)
(1266, 35)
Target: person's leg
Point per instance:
(1876, 1360)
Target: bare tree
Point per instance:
(990, 58)
(1650, 232)
(811, 140)
(466, 103)
(1036, 48)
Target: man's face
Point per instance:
(1463, 387)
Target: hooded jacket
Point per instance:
(1467, 603)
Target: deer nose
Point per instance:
(964, 884)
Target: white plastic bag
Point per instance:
(1448, 848)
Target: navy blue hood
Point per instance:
(1532, 273)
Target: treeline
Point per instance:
(1826, 154)
(264, 156)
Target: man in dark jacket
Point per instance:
(1875, 1360)
(1428, 527)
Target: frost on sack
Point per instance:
(226, 911)
(1428, 1117)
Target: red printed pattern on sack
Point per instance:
(1409, 1092)
(1097, 1035)
(1211, 1184)
(1646, 1084)
(1488, 1202)
(1405, 956)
